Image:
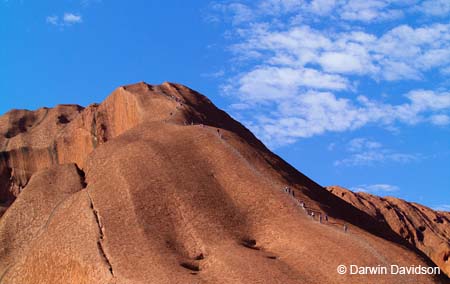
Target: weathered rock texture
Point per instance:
(157, 185)
(422, 227)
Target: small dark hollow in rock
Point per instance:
(63, 119)
(199, 257)
(250, 243)
(420, 236)
(439, 220)
(272, 257)
(422, 228)
(17, 127)
(190, 266)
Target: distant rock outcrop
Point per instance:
(157, 185)
(422, 227)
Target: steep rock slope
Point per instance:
(422, 227)
(157, 185)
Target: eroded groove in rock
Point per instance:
(98, 222)
(101, 235)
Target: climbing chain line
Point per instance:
(321, 217)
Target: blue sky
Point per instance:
(354, 93)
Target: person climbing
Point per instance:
(320, 218)
(326, 218)
(345, 228)
(312, 215)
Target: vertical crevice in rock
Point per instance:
(101, 235)
(97, 219)
(53, 151)
(94, 130)
(82, 175)
(7, 196)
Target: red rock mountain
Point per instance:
(157, 185)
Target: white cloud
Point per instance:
(368, 10)
(70, 18)
(348, 10)
(375, 188)
(372, 157)
(358, 144)
(322, 7)
(435, 7)
(401, 53)
(339, 62)
(235, 12)
(52, 20)
(445, 70)
(423, 100)
(266, 83)
(217, 74)
(365, 152)
(292, 114)
(66, 20)
(440, 119)
(277, 7)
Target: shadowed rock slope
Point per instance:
(422, 227)
(157, 185)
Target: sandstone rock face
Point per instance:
(424, 228)
(157, 185)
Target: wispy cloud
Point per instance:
(236, 13)
(372, 157)
(401, 53)
(86, 3)
(288, 113)
(70, 18)
(364, 152)
(362, 144)
(349, 10)
(217, 74)
(442, 207)
(375, 188)
(52, 20)
(440, 119)
(435, 7)
(67, 19)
